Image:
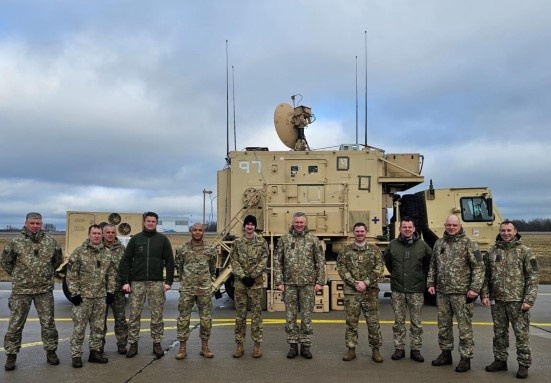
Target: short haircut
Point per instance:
(33, 215)
(299, 214)
(358, 224)
(508, 222)
(94, 226)
(150, 214)
(107, 225)
(407, 219)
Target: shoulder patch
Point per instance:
(477, 255)
(534, 264)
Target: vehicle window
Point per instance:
(475, 209)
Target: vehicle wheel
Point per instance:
(66, 289)
(228, 285)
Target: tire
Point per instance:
(229, 286)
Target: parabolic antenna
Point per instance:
(283, 121)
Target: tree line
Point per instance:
(537, 225)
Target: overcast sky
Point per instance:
(121, 105)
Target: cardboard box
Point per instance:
(337, 288)
(275, 300)
(322, 307)
(337, 303)
(331, 272)
(323, 295)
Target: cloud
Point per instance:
(122, 106)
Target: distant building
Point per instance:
(49, 227)
(173, 224)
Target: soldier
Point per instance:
(407, 259)
(249, 257)
(196, 265)
(456, 275)
(511, 283)
(91, 282)
(360, 266)
(31, 260)
(142, 271)
(299, 271)
(114, 245)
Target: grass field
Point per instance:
(540, 243)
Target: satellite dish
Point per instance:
(283, 121)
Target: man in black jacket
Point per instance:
(142, 267)
(407, 258)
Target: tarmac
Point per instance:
(328, 348)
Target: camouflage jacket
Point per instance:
(196, 266)
(91, 271)
(117, 252)
(512, 272)
(299, 259)
(360, 263)
(407, 261)
(249, 257)
(31, 261)
(456, 265)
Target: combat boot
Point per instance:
(182, 353)
(205, 352)
(10, 362)
(349, 354)
(398, 354)
(443, 359)
(77, 362)
(376, 355)
(464, 365)
(293, 351)
(497, 365)
(522, 372)
(51, 357)
(257, 351)
(132, 350)
(158, 350)
(305, 352)
(97, 357)
(121, 349)
(416, 356)
(238, 353)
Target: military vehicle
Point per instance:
(334, 188)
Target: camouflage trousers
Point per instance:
(121, 326)
(504, 313)
(401, 304)
(299, 299)
(243, 299)
(368, 304)
(91, 310)
(185, 306)
(19, 305)
(153, 291)
(455, 304)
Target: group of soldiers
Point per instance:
(102, 271)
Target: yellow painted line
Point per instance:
(223, 322)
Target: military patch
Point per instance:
(478, 256)
(534, 264)
(498, 257)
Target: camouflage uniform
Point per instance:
(196, 265)
(511, 279)
(249, 257)
(31, 260)
(119, 300)
(361, 263)
(90, 274)
(299, 265)
(407, 261)
(456, 267)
